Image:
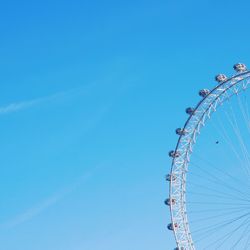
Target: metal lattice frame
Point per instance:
(183, 151)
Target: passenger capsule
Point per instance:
(172, 226)
(180, 131)
(221, 78)
(177, 248)
(174, 154)
(240, 67)
(204, 92)
(170, 177)
(169, 202)
(189, 111)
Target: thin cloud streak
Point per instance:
(19, 106)
(14, 107)
(34, 211)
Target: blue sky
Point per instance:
(90, 95)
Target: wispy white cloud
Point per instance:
(18, 106)
(36, 210)
(40, 207)
(14, 107)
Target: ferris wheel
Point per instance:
(209, 181)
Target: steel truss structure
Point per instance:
(198, 116)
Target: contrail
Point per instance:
(18, 106)
(45, 204)
(14, 107)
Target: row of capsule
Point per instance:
(180, 131)
(169, 202)
(240, 68)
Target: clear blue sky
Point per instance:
(90, 95)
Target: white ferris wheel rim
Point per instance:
(181, 155)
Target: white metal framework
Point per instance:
(198, 116)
